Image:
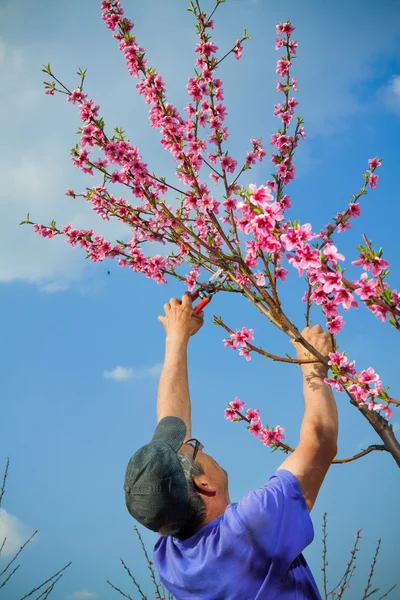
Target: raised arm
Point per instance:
(319, 430)
(180, 323)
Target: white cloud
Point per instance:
(121, 374)
(82, 595)
(391, 94)
(16, 533)
(53, 288)
(34, 175)
(396, 427)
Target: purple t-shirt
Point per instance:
(251, 552)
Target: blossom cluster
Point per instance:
(265, 434)
(361, 390)
(195, 142)
(240, 338)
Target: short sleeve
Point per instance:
(277, 518)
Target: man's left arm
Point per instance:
(180, 323)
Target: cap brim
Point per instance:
(171, 430)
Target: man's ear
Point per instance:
(203, 486)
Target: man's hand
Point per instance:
(180, 320)
(322, 341)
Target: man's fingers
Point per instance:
(161, 318)
(167, 307)
(187, 299)
(174, 301)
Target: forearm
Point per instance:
(320, 421)
(173, 391)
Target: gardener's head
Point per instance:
(173, 487)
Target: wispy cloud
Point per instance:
(82, 595)
(396, 426)
(391, 94)
(53, 288)
(122, 374)
(16, 532)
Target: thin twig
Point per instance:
(46, 593)
(388, 592)
(324, 563)
(133, 579)
(18, 553)
(9, 577)
(2, 545)
(3, 487)
(119, 591)
(47, 581)
(349, 570)
(149, 563)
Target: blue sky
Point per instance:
(68, 428)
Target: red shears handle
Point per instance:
(195, 294)
(197, 309)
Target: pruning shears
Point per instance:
(206, 294)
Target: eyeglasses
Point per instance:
(196, 445)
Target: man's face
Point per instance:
(213, 472)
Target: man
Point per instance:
(210, 548)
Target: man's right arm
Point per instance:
(317, 448)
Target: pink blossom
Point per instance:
(378, 264)
(191, 278)
(362, 261)
(237, 404)
(333, 383)
(230, 204)
(335, 325)
(354, 209)
(294, 237)
(330, 309)
(345, 298)
(280, 273)
(230, 414)
(368, 376)
(286, 28)
(238, 49)
(252, 413)
(255, 427)
(332, 254)
(260, 195)
(243, 336)
(260, 278)
(245, 352)
(337, 359)
(380, 313)
(318, 295)
(367, 288)
(359, 393)
(228, 164)
(372, 180)
(76, 96)
(388, 412)
(279, 433)
(230, 343)
(333, 282)
(206, 48)
(374, 163)
(282, 66)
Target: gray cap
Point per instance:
(155, 487)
